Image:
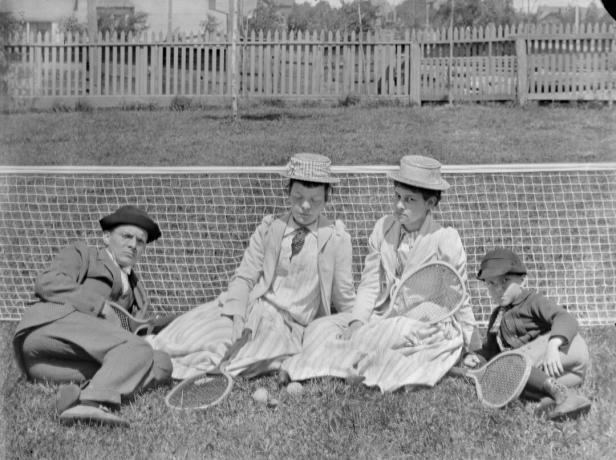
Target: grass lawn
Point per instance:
(330, 420)
(266, 135)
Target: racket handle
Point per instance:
(458, 371)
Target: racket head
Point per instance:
(502, 379)
(430, 294)
(200, 391)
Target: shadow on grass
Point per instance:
(267, 116)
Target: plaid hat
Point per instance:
(499, 262)
(420, 171)
(131, 215)
(310, 167)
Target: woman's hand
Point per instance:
(350, 330)
(471, 360)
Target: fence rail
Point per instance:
(511, 63)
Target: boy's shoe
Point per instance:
(67, 397)
(544, 407)
(574, 406)
(91, 414)
(568, 403)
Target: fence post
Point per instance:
(520, 51)
(415, 74)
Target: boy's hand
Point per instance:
(471, 360)
(550, 361)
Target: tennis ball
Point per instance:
(261, 395)
(295, 388)
(272, 402)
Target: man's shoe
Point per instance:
(572, 407)
(67, 397)
(91, 414)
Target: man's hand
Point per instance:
(471, 360)
(350, 330)
(550, 361)
(108, 314)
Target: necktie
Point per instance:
(297, 243)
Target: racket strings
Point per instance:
(199, 392)
(431, 292)
(503, 380)
(123, 319)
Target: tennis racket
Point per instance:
(208, 389)
(430, 294)
(501, 380)
(137, 325)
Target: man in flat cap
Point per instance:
(68, 334)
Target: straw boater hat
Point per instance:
(131, 215)
(420, 171)
(310, 167)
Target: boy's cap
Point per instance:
(132, 215)
(310, 167)
(500, 262)
(420, 171)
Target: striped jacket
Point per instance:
(255, 275)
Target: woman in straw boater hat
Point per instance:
(346, 344)
(297, 267)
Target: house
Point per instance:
(46, 16)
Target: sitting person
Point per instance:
(528, 322)
(297, 267)
(372, 342)
(70, 333)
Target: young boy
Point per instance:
(400, 243)
(534, 325)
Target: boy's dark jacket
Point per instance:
(528, 317)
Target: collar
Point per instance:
(292, 226)
(127, 270)
(519, 299)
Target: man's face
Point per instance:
(126, 243)
(411, 208)
(306, 202)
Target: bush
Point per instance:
(180, 103)
(349, 100)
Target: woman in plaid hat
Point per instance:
(297, 267)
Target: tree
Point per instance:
(468, 13)
(70, 24)
(349, 16)
(115, 23)
(210, 25)
(265, 17)
(322, 16)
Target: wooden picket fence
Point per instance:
(480, 64)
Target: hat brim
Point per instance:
(111, 221)
(442, 185)
(498, 269)
(318, 180)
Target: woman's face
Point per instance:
(306, 202)
(411, 208)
